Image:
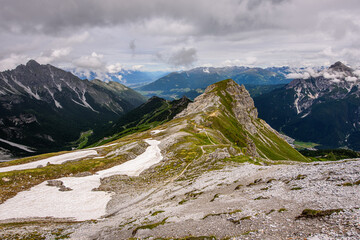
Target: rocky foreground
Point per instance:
(300, 201)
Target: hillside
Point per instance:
(322, 108)
(44, 109)
(154, 112)
(215, 171)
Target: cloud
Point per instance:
(247, 32)
(137, 67)
(183, 57)
(12, 61)
(53, 55)
(132, 46)
(92, 62)
(114, 68)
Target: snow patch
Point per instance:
(20, 146)
(7, 82)
(53, 160)
(156, 131)
(81, 203)
(57, 104)
(305, 115)
(206, 70)
(52, 76)
(27, 89)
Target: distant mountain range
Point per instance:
(44, 108)
(193, 82)
(322, 107)
(131, 78)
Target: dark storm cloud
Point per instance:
(182, 32)
(208, 17)
(183, 57)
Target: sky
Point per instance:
(169, 35)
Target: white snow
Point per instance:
(57, 104)
(52, 76)
(26, 88)
(7, 82)
(305, 115)
(53, 160)
(206, 70)
(20, 146)
(156, 131)
(81, 203)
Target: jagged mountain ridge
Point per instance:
(322, 107)
(128, 77)
(192, 82)
(45, 108)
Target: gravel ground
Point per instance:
(244, 202)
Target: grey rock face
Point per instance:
(46, 108)
(55, 183)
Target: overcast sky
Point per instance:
(109, 35)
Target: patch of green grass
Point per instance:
(215, 197)
(238, 187)
(245, 218)
(311, 213)
(261, 198)
(149, 226)
(83, 139)
(222, 213)
(349, 184)
(282, 210)
(330, 154)
(157, 212)
(183, 201)
(304, 145)
(300, 177)
(271, 211)
(250, 231)
(296, 188)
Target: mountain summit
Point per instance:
(322, 108)
(46, 108)
(340, 67)
(227, 108)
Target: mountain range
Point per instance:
(44, 108)
(193, 82)
(323, 107)
(128, 77)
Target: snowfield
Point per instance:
(53, 160)
(81, 203)
(23, 147)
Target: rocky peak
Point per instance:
(229, 97)
(340, 67)
(32, 63)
